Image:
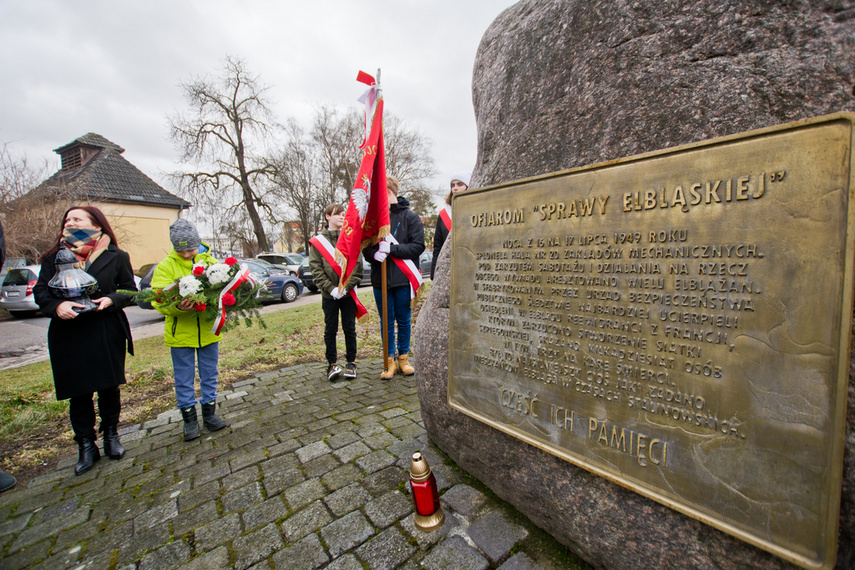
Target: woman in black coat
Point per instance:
(459, 183)
(87, 350)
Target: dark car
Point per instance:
(425, 261)
(305, 275)
(280, 287)
(270, 267)
(144, 274)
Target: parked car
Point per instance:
(16, 293)
(425, 261)
(280, 287)
(270, 267)
(366, 273)
(11, 263)
(144, 274)
(289, 261)
(305, 275)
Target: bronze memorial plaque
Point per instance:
(676, 322)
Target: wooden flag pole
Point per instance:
(384, 316)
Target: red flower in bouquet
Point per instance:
(230, 261)
(223, 294)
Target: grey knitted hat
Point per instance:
(184, 236)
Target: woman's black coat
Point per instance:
(439, 238)
(87, 353)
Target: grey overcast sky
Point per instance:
(114, 67)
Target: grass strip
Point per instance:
(34, 427)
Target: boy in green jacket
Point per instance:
(188, 334)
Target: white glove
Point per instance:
(382, 251)
(337, 293)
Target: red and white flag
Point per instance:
(366, 220)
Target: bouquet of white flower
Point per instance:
(224, 291)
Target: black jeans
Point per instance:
(332, 307)
(81, 411)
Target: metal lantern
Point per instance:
(429, 515)
(72, 283)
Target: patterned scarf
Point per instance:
(86, 243)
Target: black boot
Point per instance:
(7, 481)
(112, 447)
(209, 417)
(191, 423)
(88, 454)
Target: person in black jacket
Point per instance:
(459, 183)
(87, 350)
(407, 229)
(334, 301)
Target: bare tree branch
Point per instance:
(296, 181)
(29, 221)
(228, 119)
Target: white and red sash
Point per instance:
(242, 275)
(414, 276)
(326, 249)
(445, 214)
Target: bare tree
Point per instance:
(335, 138)
(31, 220)
(18, 175)
(296, 181)
(228, 120)
(240, 237)
(408, 155)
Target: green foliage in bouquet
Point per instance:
(205, 286)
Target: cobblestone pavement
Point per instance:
(310, 474)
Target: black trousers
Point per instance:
(332, 307)
(82, 412)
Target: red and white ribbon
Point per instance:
(243, 275)
(326, 249)
(445, 214)
(414, 276)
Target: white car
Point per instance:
(16, 293)
(288, 261)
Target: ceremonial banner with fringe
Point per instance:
(366, 220)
